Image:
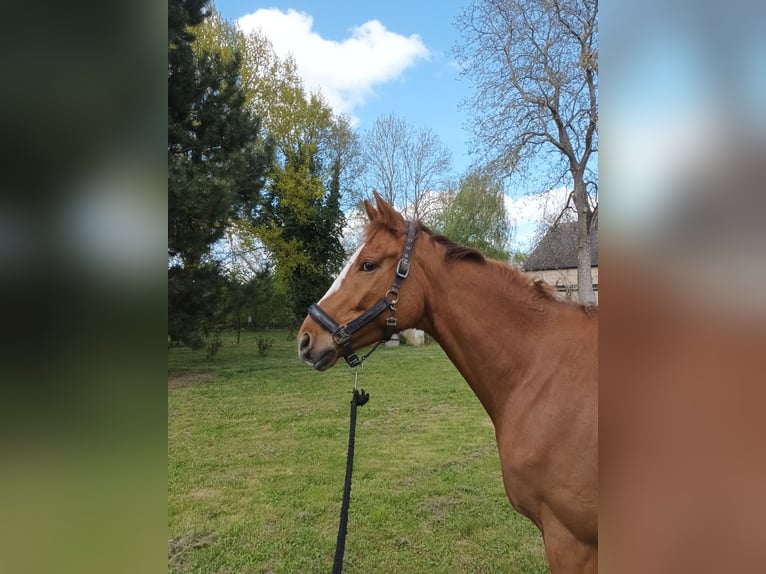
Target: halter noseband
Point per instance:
(341, 334)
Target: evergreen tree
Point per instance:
(216, 168)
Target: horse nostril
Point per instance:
(305, 342)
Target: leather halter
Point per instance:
(341, 334)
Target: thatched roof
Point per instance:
(558, 249)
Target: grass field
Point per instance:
(256, 461)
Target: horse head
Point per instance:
(377, 293)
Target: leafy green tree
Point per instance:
(217, 163)
(301, 225)
(476, 216)
(248, 298)
(301, 219)
(298, 220)
(256, 302)
(519, 257)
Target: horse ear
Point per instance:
(388, 214)
(372, 213)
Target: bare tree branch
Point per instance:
(534, 68)
(406, 165)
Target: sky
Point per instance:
(371, 59)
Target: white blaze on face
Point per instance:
(339, 279)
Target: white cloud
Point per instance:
(346, 72)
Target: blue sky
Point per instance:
(421, 81)
(376, 58)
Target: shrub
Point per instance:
(214, 345)
(264, 344)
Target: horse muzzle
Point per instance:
(321, 357)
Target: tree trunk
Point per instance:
(585, 292)
(584, 280)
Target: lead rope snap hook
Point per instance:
(357, 369)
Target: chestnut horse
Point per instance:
(530, 359)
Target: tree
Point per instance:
(534, 65)
(406, 165)
(300, 220)
(216, 167)
(249, 299)
(476, 216)
(301, 225)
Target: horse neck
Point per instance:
(490, 322)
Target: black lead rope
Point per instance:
(358, 399)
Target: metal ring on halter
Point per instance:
(395, 299)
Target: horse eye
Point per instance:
(368, 266)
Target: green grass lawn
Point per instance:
(256, 461)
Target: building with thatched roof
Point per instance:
(554, 259)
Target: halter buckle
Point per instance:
(341, 336)
(403, 269)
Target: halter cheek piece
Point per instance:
(341, 334)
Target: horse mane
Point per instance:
(455, 251)
(539, 289)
